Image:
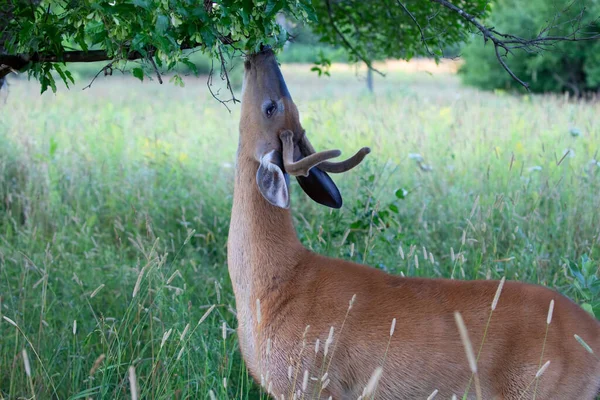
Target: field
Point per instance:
(115, 202)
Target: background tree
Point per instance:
(41, 37)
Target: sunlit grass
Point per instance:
(114, 211)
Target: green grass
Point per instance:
(131, 182)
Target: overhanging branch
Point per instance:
(504, 43)
(20, 61)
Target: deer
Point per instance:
(310, 326)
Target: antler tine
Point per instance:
(303, 166)
(336, 167)
(343, 166)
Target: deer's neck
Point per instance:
(263, 248)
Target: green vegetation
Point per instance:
(569, 66)
(38, 35)
(114, 211)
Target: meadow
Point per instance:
(115, 204)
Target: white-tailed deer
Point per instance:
(281, 288)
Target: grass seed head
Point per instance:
(206, 314)
(138, 282)
(185, 331)
(542, 369)
(352, 300)
(224, 330)
(393, 327)
(26, 363)
(433, 394)
(165, 337)
(584, 344)
(550, 311)
(133, 387)
(97, 364)
(373, 381)
(464, 337)
(305, 380)
(95, 292)
(498, 291)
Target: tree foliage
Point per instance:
(570, 66)
(43, 36)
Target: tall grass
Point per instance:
(114, 210)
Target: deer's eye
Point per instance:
(270, 109)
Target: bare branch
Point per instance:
(508, 42)
(104, 69)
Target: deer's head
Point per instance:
(271, 132)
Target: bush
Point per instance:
(566, 66)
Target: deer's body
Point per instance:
(297, 288)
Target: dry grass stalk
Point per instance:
(433, 394)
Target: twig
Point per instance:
(151, 58)
(103, 69)
(423, 39)
(226, 76)
(503, 63)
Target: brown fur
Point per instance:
(297, 288)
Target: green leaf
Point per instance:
(401, 193)
(145, 4)
(162, 24)
(138, 73)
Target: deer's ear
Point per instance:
(272, 182)
(320, 187)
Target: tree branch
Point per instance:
(508, 42)
(423, 39)
(346, 42)
(21, 61)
